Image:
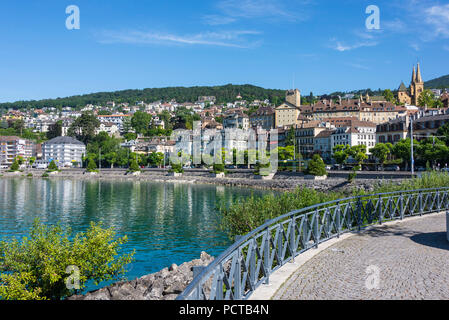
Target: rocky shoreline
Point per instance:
(166, 284)
(281, 182)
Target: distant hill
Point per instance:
(223, 94)
(439, 83)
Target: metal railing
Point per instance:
(248, 263)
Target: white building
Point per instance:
(65, 151)
(12, 147)
(359, 133)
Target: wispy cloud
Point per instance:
(415, 46)
(253, 8)
(235, 38)
(216, 20)
(229, 11)
(438, 17)
(395, 26)
(342, 47)
(358, 66)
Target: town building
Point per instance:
(359, 133)
(236, 120)
(287, 113)
(263, 118)
(12, 147)
(305, 136)
(64, 151)
(393, 131)
(323, 145)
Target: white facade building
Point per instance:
(64, 151)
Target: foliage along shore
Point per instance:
(245, 215)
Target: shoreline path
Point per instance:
(406, 260)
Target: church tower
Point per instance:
(417, 85)
(293, 97)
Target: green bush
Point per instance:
(218, 168)
(134, 167)
(177, 168)
(91, 166)
(245, 215)
(52, 167)
(15, 166)
(263, 169)
(29, 175)
(316, 166)
(35, 268)
(45, 175)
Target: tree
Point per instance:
(340, 153)
(111, 158)
(426, 98)
(433, 150)
(52, 166)
(156, 159)
(54, 130)
(31, 160)
(91, 166)
(84, 127)
(381, 152)
(316, 166)
(402, 150)
(389, 96)
(290, 138)
(36, 267)
(15, 166)
(444, 131)
(141, 122)
(134, 167)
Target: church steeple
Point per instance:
(418, 76)
(414, 75)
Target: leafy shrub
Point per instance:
(91, 166)
(177, 168)
(15, 166)
(218, 168)
(316, 166)
(263, 169)
(45, 175)
(247, 214)
(35, 268)
(134, 167)
(52, 166)
(29, 175)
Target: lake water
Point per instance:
(165, 222)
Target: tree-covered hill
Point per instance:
(438, 83)
(224, 94)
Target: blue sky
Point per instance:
(314, 45)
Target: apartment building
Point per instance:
(65, 151)
(12, 147)
(263, 118)
(359, 133)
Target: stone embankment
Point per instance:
(281, 181)
(166, 284)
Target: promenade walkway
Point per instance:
(410, 260)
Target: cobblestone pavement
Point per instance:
(411, 259)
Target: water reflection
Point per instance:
(165, 223)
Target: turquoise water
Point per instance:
(165, 223)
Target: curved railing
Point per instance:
(238, 271)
